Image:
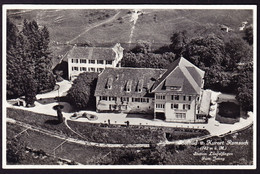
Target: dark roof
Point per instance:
(174, 81)
(181, 69)
(127, 76)
(93, 53)
(195, 74)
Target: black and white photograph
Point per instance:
(129, 86)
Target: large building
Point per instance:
(92, 59)
(173, 94)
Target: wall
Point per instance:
(86, 65)
(170, 113)
(132, 107)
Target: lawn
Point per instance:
(117, 134)
(229, 110)
(40, 120)
(42, 143)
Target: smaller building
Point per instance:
(93, 59)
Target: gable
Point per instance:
(184, 73)
(179, 79)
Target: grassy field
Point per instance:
(155, 26)
(71, 151)
(118, 134)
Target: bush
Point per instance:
(81, 94)
(14, 151)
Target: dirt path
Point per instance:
(94, 26)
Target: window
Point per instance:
(100, 61)
(83, 69)
(75, 68)
(91, 69)
(175, 106)
(111, 98)
(74, 60)
(176, 97)
(183, 106)
(124, 99)
(100, 69)
(145, 100)
(137, 100)
(188, 106)
(109, 62)
(180, 115)
(160, 96)
(103, 97)
(140, 85)
(198, 98)
(189, 98)
(175, 88)
(109, 83)
(184, 97)
(83, 61)
(159, 105)
(91, 61)
(128, 85)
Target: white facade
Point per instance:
(77, 65)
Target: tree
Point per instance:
(237, 51)
(244, 81)
(178, 42)
(81, 94)
(14, 59)
(14, 151)
(142, 47)
(149, 60)
(217, 79)
(38, 51)
(249, 34)
(205, 51)
(28, 61)
(59, 115)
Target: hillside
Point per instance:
(106, 27)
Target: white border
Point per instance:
(227, 7)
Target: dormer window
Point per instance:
(128, 85)
(175, 88)
(140, 85)
(109, 83)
